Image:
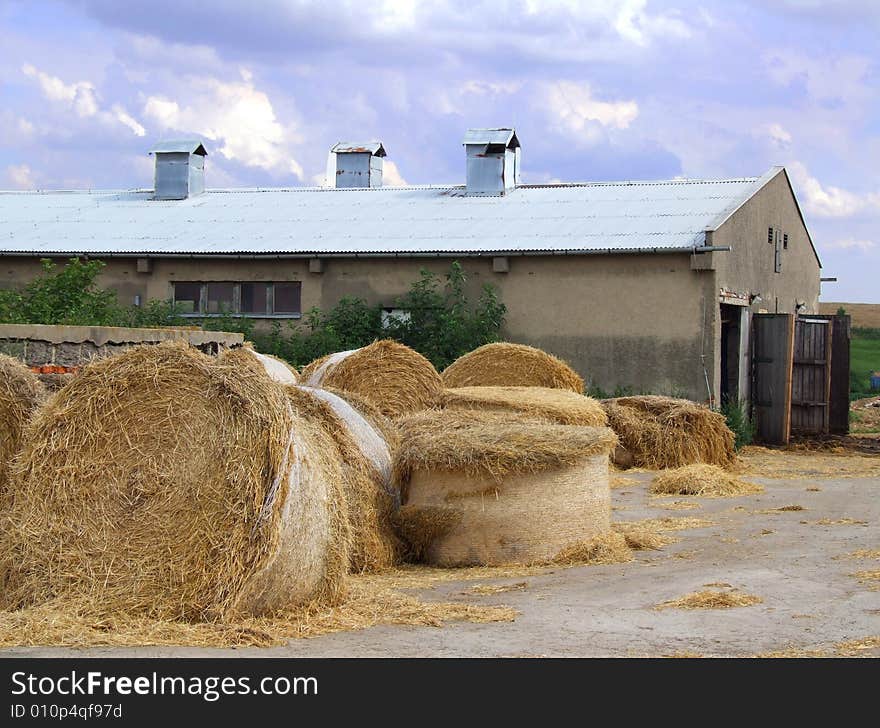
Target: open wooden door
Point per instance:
(838, 418)
(772, 356)
(811, 375)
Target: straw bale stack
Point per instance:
(171, 484)
(398, 380)
(20, 394)
(558, 406)
(701, 480)
(483, 488)
(511, 365)
(365, 458)
(663, 432)
(278, 369)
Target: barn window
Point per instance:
(259, 299)
(187, 296)
(221, 298)
(255, 297)
(770, 235)
(287, 297)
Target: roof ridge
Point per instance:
(537, 185)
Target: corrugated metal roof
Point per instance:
(189, 146)
(620, 216)
(374, 148)
(507, 137)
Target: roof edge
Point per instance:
(760, 183)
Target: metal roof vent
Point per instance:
(356, 165)
(493, 161)
(180, 169)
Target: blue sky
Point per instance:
(599, 90)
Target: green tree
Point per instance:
(69, 295)
(440, 322)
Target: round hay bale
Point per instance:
(370, 498)
(277, 369)
(559, 406)
(663, 432)
(386, 427)
(480, 489)
(511, 365)
(398, 380)
(20, 394)
(169, 483)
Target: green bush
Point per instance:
(68, 296)
(739, 421)
(440, 323)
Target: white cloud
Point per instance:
(778, 134)
(391, 176)
(825, 78)
(852, 244)
(237, 116)
(82, 98)
(501, 88)
(628, 18)
(828, 201)
(573, 107)
(129, 121)
(80, 95)
(20, 177)
(634, 24)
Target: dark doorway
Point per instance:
(731, 356)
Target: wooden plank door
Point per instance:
(811, 375)
(772, 354)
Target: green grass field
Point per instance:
(864, 358)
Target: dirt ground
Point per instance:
(815, 570)
(865, 415)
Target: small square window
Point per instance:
(220, 297)
(187, 296)
(287, 297)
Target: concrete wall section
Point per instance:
(72, 346)
(620, 320)
(748, 270)
(749, 266)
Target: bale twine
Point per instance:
(398, 380)
(20, 394)
(663, 432)
(558, 406)
(511, 365)
(365, 457)
(172, 484)
(482, 489)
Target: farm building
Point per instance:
(649, 285)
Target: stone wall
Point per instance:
(69, 347)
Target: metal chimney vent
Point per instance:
(180, 169)
(356, 164)
(493, 161)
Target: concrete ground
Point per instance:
(811, 600)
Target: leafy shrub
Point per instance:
(739, 421)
